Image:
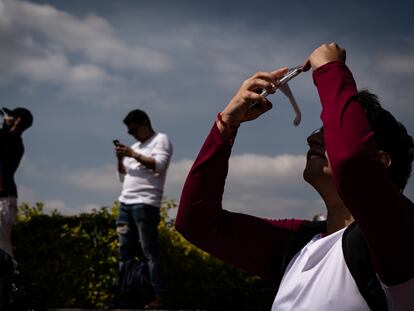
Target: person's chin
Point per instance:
(308, 175)
(312, 174)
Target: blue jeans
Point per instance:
(137, 225)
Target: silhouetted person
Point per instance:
(15, 122)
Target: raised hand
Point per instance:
(247, 104)
(324, 54)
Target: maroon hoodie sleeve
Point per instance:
(250, 243)
(384, 215)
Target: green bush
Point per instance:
(75, 259)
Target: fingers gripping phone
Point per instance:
(284, 87)
(116, 142)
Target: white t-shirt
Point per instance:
(143, 185)
(317, 278)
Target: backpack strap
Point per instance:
(358, 259)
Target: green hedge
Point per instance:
(75, 259)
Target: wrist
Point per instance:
(137, 156)
(325, 64)
(228, 131)
(228, 120)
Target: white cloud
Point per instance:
(87, 208)
(84, 73)
(270, 187)
(49, 67)
(178, 171)
(260, 170)
(255, 186)
(43, 44)
(248, 173)
(396, 64)
(54, 68)
(52, 204)
(104, 178)
(65, 209)
(26, 194)
(260, 185)
(94, 179)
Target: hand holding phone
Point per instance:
(293, 72)
(118, 152)
(284, 87)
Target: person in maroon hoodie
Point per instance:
(359, 162)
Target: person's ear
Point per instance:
(385, 158)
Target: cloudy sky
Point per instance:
(80, 66)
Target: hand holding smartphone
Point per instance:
(284, 87)
(117, 151)
(292, 73)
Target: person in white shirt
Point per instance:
(142, 169)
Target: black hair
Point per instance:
(137, 116)
(391, 136)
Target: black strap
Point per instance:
(358, 259)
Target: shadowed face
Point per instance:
(8, 122)
(140, 131)
(136, 130)
(317, 167)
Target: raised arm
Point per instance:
(384, 215)
(250, 243)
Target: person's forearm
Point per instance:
(121, 167)
(148, 162)
(379, 208)
(347, 134)
(200, 202)
(349, 140)
(249, 243)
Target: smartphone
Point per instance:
(116, 142)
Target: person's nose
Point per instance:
(316, 139)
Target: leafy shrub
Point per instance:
(75, 259)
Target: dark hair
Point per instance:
(391, 136)
(137, 116)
